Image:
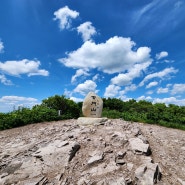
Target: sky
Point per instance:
(116, 48)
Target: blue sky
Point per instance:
(116, 48)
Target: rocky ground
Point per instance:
(113, 152)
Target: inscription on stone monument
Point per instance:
(92, 106)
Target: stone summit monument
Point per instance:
(92, 110)
(92, 106)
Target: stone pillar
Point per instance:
(92, 110)
(92, 106)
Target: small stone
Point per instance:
(130, 166)
(63, 143)
(121, 154)
(95, 158)
(120, 161)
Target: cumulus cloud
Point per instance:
(115, 55)
(151, 84)
(112, 91)
(162, 74)
(16, 99)
(25, 66)
(86, 87)
(1, 47)
(170, 100)
(162, 90)
(178, 89)
(7, 103)
(64, 16)
(131, 87)
(162, 54)
(4, 80)
(148, 98)
(79, 72)
(167, 101)
(123, 79)
(86, 30)
(76, 99)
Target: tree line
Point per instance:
(144, 111)
(58, 107)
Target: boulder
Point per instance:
(92, 106)
(148, 173)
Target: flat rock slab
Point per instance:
(139, 147)
(91, 121)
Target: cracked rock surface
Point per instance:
(117, 152)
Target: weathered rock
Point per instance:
(92, 106)
(120, 158)
(91, 121)
(96, 157)
(148, 173)
(139, 147)
(67, 153)
(181, 181)
(73, 151)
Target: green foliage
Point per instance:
(47, 111)
(113, 114)
(142, 111)
(68, 108)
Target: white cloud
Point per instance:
(150, 92)
(79, 72)
(132, 87)
(25, 66)
(4, 80)
(147, 98)
(115, 55)
(167, 101)
(98, 77)
(162, 90)
(76, 99)
(86, 30)
(95, 77)
(111, 91)
(161, 55)
(170, 100)
(151, 84)
(65, 15)
(178, 89)
(1, 47)
(7, 103)
(127, 78)
(121, 80)
(86, 87)
(162, 74)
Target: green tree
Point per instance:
(68, 108)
